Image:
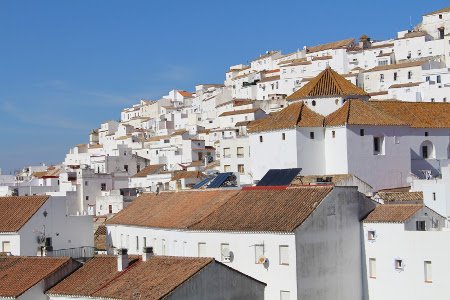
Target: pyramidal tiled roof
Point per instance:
(359, 112)
(328, 83)
(295, 115)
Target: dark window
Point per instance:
(110, 209)
(87, 198)
(260, 139)
(440, 16)
(425, 151)
(376, 144)
(311, 135)
(438, 79)
(85, 183)
(138, 168)
(434, 196)
(333, 134)
(283, 136)
(126, 168)
(426, 133)
(420, 225)
(103, 187)
(395, 76)
(409, 74)
(361, 132)
(313, 103)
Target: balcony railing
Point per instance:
(79, 253)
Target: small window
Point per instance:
(283, 136)
(225, 252)
(420, 225)
(371, 235)
(103, 187)
(311, 135)
(226, 152)
(137, 243)
(126, 168)
(361, 132)
(87, 198)
(201, 249)
(313, 103)
(285, 295)
(410, 74)
(372, 268)
(395, 76)
(399, 264)
(376, 145)
(85, 183)
(426, 133)
(241, 168)
(284, 255)
(226, 168)
(6, 246)
(428, 272)
(440, 16)
(260, 139)
(259, 253)
(333, 134)
(438, 79)
(240, 152)
(425, 153)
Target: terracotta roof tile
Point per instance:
(322, 57)
(410, 64)
(272, 78)
(185, 94)
(392, 213)
(332, 45)
(359, 112)
(417, 114)
(187, 174)
(239, 112)
(413, 34)
(231, 210)
(265, 210)
(400, 196)
(443, 10)
(404, 85)
(17, 210)
(171, 209)
(152, 279)
(295, 115)
(328, 83)
(149, 170)
(19, 273)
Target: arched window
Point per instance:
(427, 150)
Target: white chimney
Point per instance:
(122, 259)
(147, 253)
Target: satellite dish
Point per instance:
(262, 260)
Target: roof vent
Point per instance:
(122, 259)
(147, 252)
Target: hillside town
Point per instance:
(318, 174)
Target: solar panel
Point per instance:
(202, 183)
(219, 180)
(279, 177)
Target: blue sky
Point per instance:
(66, 66)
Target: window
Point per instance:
(372, 268)
(126, 168)
(399, 264)
(87, 198)
(285, 295)
(432, 99)
(259, 252)
(420, 225)
(85, 183)
(241, 168)
(225, 252)
(137, 243)
(110, 210)
(371, 235)
(438, 79)
(440, 16)
(377, 145)
(333, 134)
(395, 76)
(284, 255)
(361, 132)
(226, 168)
(313, 103)
(260, 139)
(311, 135)
(426, 133)
(163, 247)
(434, 196)
(410, 74)
(381, 77)
(240, 152)
(428, 271)
(425, 153)
(144, 242)
(283, 136)
(103, 187)
(6, 246)
(201, 249)
(226, 152)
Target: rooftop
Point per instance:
(15, 211)
(149, 170)
(333, 45)
(392, 213)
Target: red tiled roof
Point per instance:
(392, 213)
(15, 211)
(153, 279)
(333, 45)
(295, 115)
(239, 112)
(328, 83)
(187, 174)
(411, 64)
(149, 170)
(246, 210)
(404, 85)
(18, 273)
(185, 94)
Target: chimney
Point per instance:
(147, 252)
(122, 259)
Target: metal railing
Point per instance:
(84, 252)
